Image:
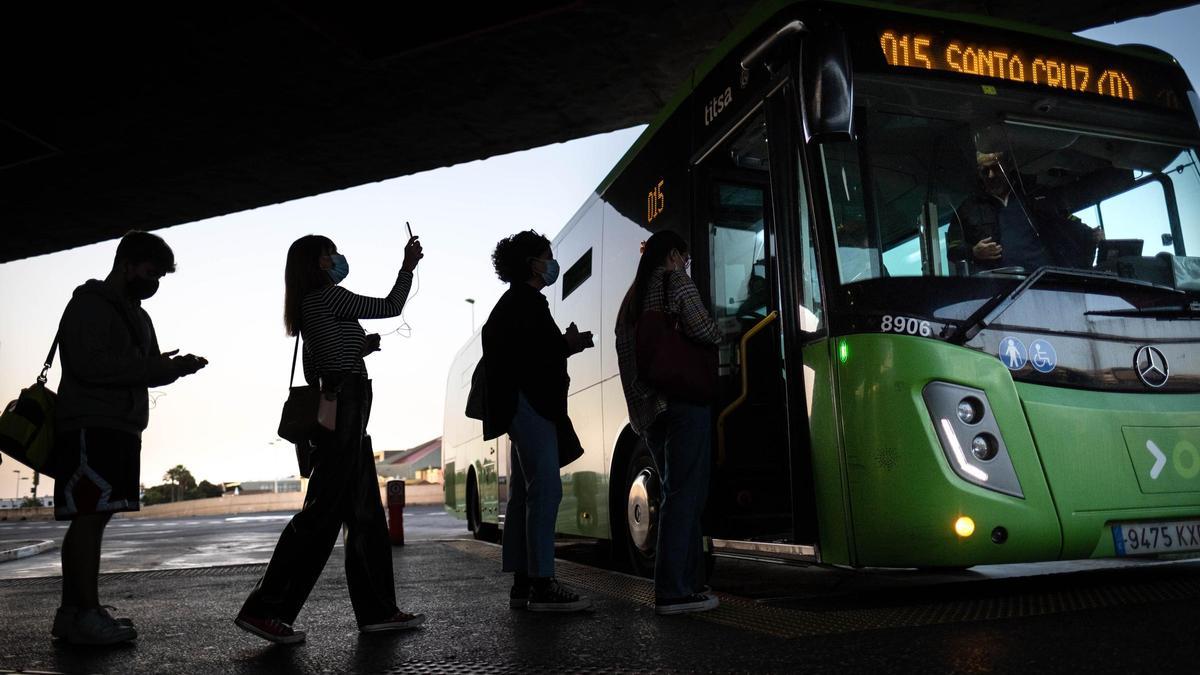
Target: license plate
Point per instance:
(1146, 538)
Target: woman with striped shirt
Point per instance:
(343, 488)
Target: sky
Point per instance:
(225, 300)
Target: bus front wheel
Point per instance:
(641, 495)
(479, 529)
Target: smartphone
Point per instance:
(409, 228)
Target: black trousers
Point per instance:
(343, 489)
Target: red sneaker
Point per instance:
(269, 629)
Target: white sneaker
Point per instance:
(94, 626)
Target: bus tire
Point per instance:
(635, 520)
(480, 530)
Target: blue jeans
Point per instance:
(682, 446)
(534, 493)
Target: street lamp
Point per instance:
(17, 498)
(471, 302)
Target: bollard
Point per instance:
(395, 511)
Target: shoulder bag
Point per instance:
(670, 362)
(27, 424)
(298, 423)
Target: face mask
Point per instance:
(340, 269)
(551, 273)
(141, 289)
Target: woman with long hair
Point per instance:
(676, 431)
(525, 366)
(343, 488)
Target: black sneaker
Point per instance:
(518, 595)
(696, 602)
(550, 596)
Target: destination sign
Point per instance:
(1059, 66)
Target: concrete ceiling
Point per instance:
(119, 116)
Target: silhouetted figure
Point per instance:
(110, 359)
(677, 432)
(525, 366)
(343, 488)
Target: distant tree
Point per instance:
(181, 479)
(30, 503)
(158, 494)
(205, 490)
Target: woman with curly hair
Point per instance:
(525, 367)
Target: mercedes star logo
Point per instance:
(1151, 366)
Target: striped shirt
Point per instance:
(645, 404)
(333, 337)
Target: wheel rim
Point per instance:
(642, 510)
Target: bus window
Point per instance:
(579, 272)
(857, 258)
(1139, 214)
(931, 196)
(811, 313)
(739, 252)
(738, 273)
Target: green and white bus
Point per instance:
(887, 398)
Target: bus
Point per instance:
(888, 396)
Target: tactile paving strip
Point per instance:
(218, 571)
(738, 612)
(455, 666)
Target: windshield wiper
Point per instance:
(992, 309)
(1188, 310)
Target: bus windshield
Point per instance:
(956, 188)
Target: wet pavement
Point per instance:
(774, 618)
(133, 544)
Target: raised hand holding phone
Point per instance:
(412, 253)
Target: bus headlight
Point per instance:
(983, 447)
(970, 437)
(970, 410)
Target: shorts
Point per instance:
(98, 472)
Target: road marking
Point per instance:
(1160, 460)
(247, 519)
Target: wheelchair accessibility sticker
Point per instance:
(1012, 353)
(1042, 356)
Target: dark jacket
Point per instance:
(1068, 241)
(110, 358)
(523, 350)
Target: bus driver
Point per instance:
(999, 226)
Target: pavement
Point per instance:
(141, 544)
(1139, 618)
(1100, 616)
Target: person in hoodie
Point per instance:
(110, 359)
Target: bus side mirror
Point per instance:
(827, 100)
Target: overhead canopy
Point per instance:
(119, 116)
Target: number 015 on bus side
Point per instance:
(1147, 538)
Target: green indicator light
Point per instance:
(843, 351)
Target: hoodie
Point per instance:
(110, 359)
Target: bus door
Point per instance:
(750, 496)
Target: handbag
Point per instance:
(27, 424)
(298, 422)
(670, 362)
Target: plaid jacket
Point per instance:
(645, 404)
